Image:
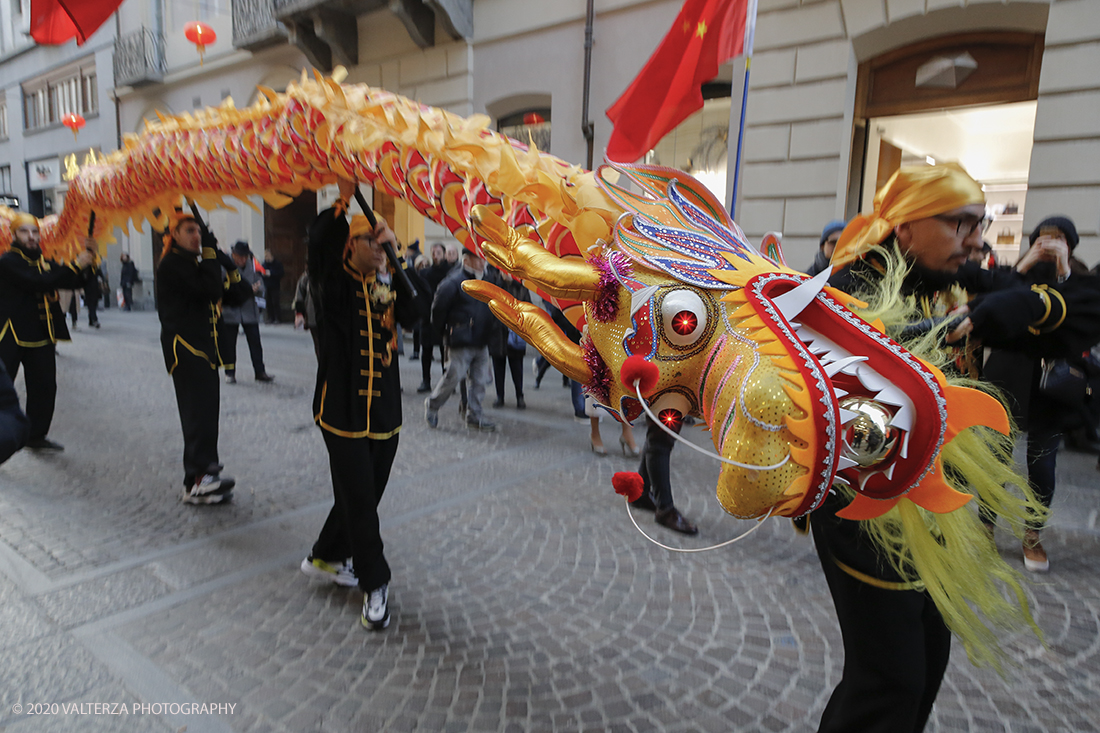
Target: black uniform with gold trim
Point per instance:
(188, 292)
(357, 401)
(31, 323)
(358, 392)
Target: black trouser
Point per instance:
(272, 313)
(360, 469)
(127, 297)
(228, 346)
(429, 342)
(896, 648)
(655, 469)
(514, 358)
(198, 400)
(39, 376)
(92, 303)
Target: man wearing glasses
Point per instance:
(896, 644)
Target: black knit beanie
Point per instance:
(1062, 223)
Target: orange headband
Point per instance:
(912, 193)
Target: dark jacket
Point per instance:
(29, 311)
(14, 426)
(188, 291)
(462, 319)
(436, 274)
(358, 392)
(129, 275)
(498, 332)
(93, 284)
(273, 274)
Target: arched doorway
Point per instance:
(967, 97)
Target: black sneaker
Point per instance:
(44, 444)
(498, 402)
(424, 387)
(376, 608)
(264, 378)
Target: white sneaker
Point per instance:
(376, 610)
(340, 573)
(189, 498)
(206, 484)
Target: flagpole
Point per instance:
(750, 37)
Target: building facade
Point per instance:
(837, 88)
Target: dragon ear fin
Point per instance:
(771, 248)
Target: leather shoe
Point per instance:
(645, 501)
(424, 387)
(44, 444)
(674, 520)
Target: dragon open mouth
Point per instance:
(878, 433)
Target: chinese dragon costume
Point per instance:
(798, 383)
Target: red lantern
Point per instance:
(201, 35)
(533, 118)
(74, 122)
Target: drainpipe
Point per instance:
(588, 128)
(114, 86)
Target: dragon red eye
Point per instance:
(684, 323)
(672, 419)
(684, 316)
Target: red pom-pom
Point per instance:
(637, 369)
(629, 484)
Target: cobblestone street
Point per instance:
(523, 598)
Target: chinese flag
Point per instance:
(706, 34)
(54, 22)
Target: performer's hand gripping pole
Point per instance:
(398, 268)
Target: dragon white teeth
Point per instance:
(890, 472)
(904, 452)
(793, 302)
(837, 366)
(846, 415)
(870, 379)
(844, 462)
(891, 395)
(903, 419)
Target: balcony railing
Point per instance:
(255, 26)
(139, 58)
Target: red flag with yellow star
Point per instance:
(706, 34)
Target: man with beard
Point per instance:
(896, 643)
(31, 320)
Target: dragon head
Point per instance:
(796, 389)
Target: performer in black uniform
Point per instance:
(357, 402)
(189, 287)
(896, 643)
(31, 321)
